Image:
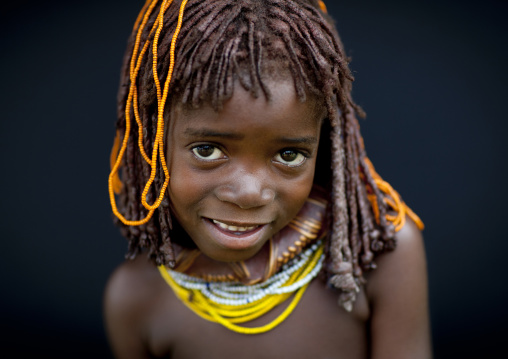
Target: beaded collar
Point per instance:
(230, 303)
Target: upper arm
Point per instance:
(123, 309)
(397, 291)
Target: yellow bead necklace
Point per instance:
(229, 303)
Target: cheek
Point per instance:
(296, 192)
(188, 187)
(185, 188)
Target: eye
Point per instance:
(290, 158)
(207, 152)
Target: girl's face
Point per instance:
(238, 176)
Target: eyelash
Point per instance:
(215, 149)
(300, 155)
(219, 154)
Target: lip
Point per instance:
(234, 240)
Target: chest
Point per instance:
(317, 328)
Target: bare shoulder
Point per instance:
(131, 282)
(128, 296)
(397, 293)
(399, 264)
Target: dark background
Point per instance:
(431, 75)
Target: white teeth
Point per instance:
(233, 228)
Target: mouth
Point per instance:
(237, 236)
(236, 229)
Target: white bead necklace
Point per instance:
(237, 294)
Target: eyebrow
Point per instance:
(308, 140)
(211, 133)
(207, 133)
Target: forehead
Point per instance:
(282, 111)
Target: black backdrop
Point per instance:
(430, 74)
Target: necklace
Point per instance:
(230, 303)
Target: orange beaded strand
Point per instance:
(322, 6)
(134, 72)
(159, 144)
(140, 15)
(393, 200)
(114, 183)
(117, 184)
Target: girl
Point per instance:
(241, 174)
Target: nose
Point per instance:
(247, 190)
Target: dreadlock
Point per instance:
(222, 43)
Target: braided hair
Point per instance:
(221, 44)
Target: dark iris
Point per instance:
(289, 155)
(205, 150)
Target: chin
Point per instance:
(230, 256)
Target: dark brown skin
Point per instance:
(144, 318)
(227, 166)
(389, 318)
